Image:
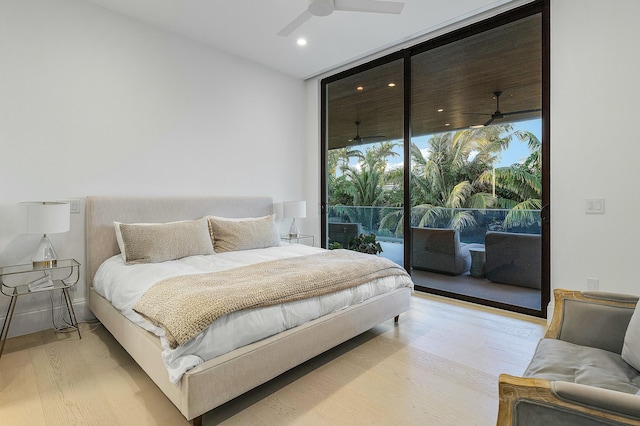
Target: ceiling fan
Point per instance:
(359, 140)
(326, 7)
(499, 114)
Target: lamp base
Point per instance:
(45, 256)
(45, 264)
(293, 231)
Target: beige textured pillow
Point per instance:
(230, 234)
(631, 346)
(159, 242)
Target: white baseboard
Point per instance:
(39, 319)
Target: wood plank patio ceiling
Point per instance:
(458, 78)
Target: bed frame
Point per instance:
(221, 379)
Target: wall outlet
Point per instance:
(592, 284)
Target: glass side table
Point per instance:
(63, 276)
(296, 239)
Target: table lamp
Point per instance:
(47, 217)
(294, 209)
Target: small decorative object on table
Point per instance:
(298, 239)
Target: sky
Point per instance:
(519, 151)
(516, 153)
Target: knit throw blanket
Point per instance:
(185, 305)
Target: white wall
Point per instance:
(94, 103)
(595, 110)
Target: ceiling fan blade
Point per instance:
(373, 6)
(361, 140)
(524, 111)
(293, 25)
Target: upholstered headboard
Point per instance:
(101, 212)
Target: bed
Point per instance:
(218, 380)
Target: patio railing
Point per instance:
(480, 221)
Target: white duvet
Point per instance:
(124, 284)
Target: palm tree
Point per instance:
(365, 185)
(519, 186)
(338, 160)
(450, 176)
(447, 178)
(360, 185)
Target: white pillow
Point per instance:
(631, 346)
(233, 234)
(159, 242)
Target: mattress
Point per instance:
(124, 284)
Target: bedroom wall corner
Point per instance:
(311, 158)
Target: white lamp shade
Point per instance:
(48, 217)
(294, 209)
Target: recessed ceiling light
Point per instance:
(392, 85)
(301, 42)
(440, 109)
(447, 124)
(360, 88)
(477, 126)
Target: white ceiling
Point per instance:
(248, 28)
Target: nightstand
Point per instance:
(13, 283)
(296, 239)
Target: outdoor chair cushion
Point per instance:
(440, 250)
(514, 259)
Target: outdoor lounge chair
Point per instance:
(440, 250)
(343, 233)
(513, 258)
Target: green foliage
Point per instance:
(365, 243)
(334, 246)
(455, 172)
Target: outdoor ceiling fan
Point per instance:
(326, 7)
(359, 140)
(499, 114)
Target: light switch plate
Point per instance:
(74, 206)
(594, 206)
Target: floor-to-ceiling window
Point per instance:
(465, 135)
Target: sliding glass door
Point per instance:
(439, 151)
(476, 163)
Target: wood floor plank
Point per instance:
(438, 366)
(19, 403)
(67, 387)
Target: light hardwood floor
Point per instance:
(438, 366)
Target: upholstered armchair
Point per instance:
(579, 374)
(440, 250)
